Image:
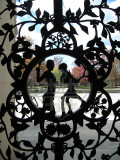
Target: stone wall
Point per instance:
(5, 79)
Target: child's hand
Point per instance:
(38, 69)
(77, 62)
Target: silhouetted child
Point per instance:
(48, 97)
(70, 81)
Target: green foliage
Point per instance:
(57, 74)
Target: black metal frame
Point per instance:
(57, 41)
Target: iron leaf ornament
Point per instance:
(94, 59)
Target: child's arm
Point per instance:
(78, 63)
(38, 75)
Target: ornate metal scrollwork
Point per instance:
(92, 113)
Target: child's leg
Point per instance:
(68, 103)
(62, 105)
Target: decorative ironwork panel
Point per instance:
(60, 133)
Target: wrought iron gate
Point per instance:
(93, 112)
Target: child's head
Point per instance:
(63, 66)
(50, 65)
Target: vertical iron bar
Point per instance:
(58, 24)
(58, 14)
(59, 150)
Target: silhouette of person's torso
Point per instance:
(51, 80)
